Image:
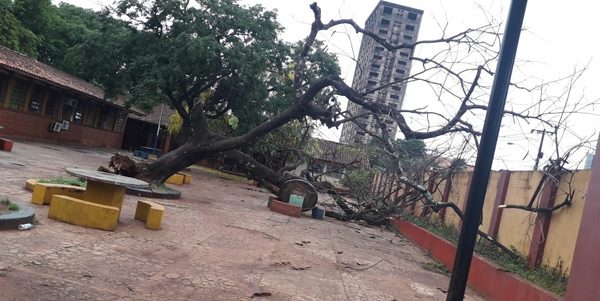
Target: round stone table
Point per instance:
(105, 188)
(102, 200)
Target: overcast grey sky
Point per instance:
(559, 36)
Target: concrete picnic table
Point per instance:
(105, 188)
(102, 200)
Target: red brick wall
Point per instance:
(34, 126)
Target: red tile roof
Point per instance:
(20, 63)
(154, 115)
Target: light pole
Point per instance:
(485, 154)
(540, 154)
(162, 108)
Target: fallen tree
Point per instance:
(199, 76)
(191, 61)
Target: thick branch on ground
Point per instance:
(264, 175)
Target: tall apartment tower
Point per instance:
(377, 66)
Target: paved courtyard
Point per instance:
(219, 242)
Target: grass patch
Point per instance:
(160, 187)
(435, 267)
(552, 278)
(6, 206)
(64, 181)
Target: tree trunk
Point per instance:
(265, 176)
(171, 163)
(186, 155)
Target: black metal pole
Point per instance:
(485, 155)
(539, 153)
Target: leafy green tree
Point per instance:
(359, 182)
(406, 151)
(219, 60)
(13, 34)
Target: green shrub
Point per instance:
(359, 182)
(11, 206)
(65, 181)
(553, 278)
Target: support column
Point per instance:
(446, 196)
(382, 181)
(465, 201)
(501, 190)
(374, 182)
(105, 194)
(583, 279)
(542, 223)
(167, 145)
(430, 187)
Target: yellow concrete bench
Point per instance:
(43, 192)
(151, 213)
(180, 179)
(187, 178)
(87, 214)
(30, 183)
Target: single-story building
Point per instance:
(40, 102)
(330, 161)
(141, 130)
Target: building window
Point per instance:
(375, 66)
(407, 37)
(120, 123)
(90, 115)
(394, 96)
(378, 48)
(404, 54)
(373, 74)
(2, 88)
(53, 104)
(400, 71)
(37, 99)
(409, 27)
(383, 31)
(79, 112)
(387, 10)
(402, 63)
(377, 57)
(335, 170)
(314, 166)
(385, 22)
(107, 118)
(412, 16)
(371, 83)
(17, 98)
(396, 88)
(68, 109)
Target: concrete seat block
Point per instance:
(177, 179)
(150, 213)
(83, 213)
(6, 145)
(285, 208)
(30, 183)
(43, 192)
(187, 178)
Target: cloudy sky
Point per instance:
(558, 37)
